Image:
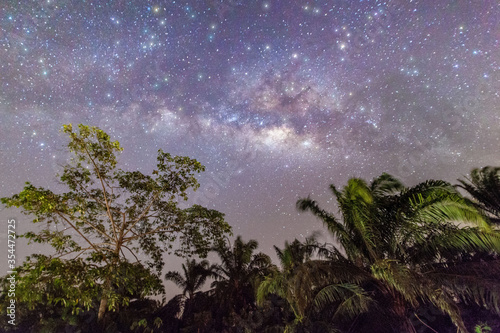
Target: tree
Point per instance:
(52, 293)
(110, 215)
(298, 281)
(238, 275)
(286, 282)
(484, 186)
(402, 247)
(193, 307)
(195, 275)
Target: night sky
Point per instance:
(278, 99)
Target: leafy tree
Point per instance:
(109, 215)
(484, 186)
(42, 305)
(401, 247)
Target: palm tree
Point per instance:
(191, 281)
(484, 186)
(195, 276)
(292, 282)
(399, 248)
(238, 274)
(281, 282)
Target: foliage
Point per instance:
(416, 259)
(402, 247)
(195, 275)
(482, 328)
(109, 215)
(238, 275)
(287, 283)
(484, 187)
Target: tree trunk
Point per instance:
(102, 310)
(400, 311)
(104, 302)
(107, 286)
(103, 305)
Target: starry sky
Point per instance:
(277, 98)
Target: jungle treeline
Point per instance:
(424, 258)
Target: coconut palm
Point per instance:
(400, 247)
(484, 186)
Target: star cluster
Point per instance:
(277, 98)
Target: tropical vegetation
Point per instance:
(424, 258)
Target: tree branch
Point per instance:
(132, 253)
(104, 192)
(157, 230)
(89, 194)
(146, 210)
(78, 231)
(67, 253)
(424, 323)
(97, 229)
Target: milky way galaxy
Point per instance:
(278, 99)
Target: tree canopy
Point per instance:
(402, 247)
(404, 259)
(110, 216)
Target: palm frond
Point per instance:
(446, 304)
(353, 299)
(471, 282)
(459, 240)
(386, 185)
(484, 187)
(273, 284)
(336, 228)
(445, 211)
(176, 278)
(399, 278)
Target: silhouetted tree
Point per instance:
(238, 275)
(194, 276)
